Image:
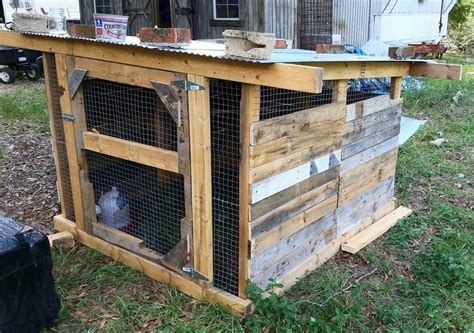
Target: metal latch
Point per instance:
(68, 117)
(194, 274)
(187, 85)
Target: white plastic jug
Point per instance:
(114, 209)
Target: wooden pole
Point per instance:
(201, 181)
(249, 113)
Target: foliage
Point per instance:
(460, 28)
(461, 12)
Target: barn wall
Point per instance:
(203, 15)
(281, 18)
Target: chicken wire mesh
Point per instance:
(315, 22)
(277, 102)
(55, 93)
(365, 88)
(139, 200)
(225, 148)
(128, 112)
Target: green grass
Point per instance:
(27, 104)
(423, 278)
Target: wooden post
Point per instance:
(52, 122)
(339, 91)
(396, 87)
(74, 125)
(249, 113)
(201, 181)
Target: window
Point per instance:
(226, 9)
(103, 6)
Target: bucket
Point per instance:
(110, 27)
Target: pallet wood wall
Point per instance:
(317, 177)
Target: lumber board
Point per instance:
(273, 202)
(352, 213)
(361, 69)
(131, 151)
(308, 265)
(440, 71)
(64, 65)
(267, 240)
(54, 135)
(368, 154)
(374, 231)
(293, 208)
(61, 239)
(153, 269)
(396, 87)
(294, 161)
(280, 182)
(249, 113)
(377, 213)
(291, 124)
(370, 176)
(286, 76)
(365, 171)
(319, 138)
(361, 127)
(201, 178)
(289, 252)
(126, 74)
(371, 140)
(370, 106)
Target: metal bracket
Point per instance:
(194, 274)
(75, 80)
(187, 85)
(170, 98)
(68, 117)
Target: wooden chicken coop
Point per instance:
(220, 171)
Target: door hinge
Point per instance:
(187, 85)
(194, 274)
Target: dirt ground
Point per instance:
(27, 174)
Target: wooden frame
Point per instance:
(308, 180)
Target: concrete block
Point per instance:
(249, 44)
(30, 22)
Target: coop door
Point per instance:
(136, 160)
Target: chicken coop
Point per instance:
(208, 172)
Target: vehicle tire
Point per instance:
(7, 75)
(33, 73)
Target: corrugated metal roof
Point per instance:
(216, 50)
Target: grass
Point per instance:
(422, 269)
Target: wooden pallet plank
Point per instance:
(249, 113)
(374, 231)
(294, 160)
(370, 106)
(126, 74)
(268, 239)
(297, 122)
(441, 71)
(201, 177)
(369, 141)
(396, 87)
(271, 203)
(153, 269)
(131, 151)
(61, 239)
(293, 208)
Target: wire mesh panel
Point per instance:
(56, 92)
(315, 22)
(277, 102)
(225, 145)
(128, 112)
(148, 203)
(365, 88)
